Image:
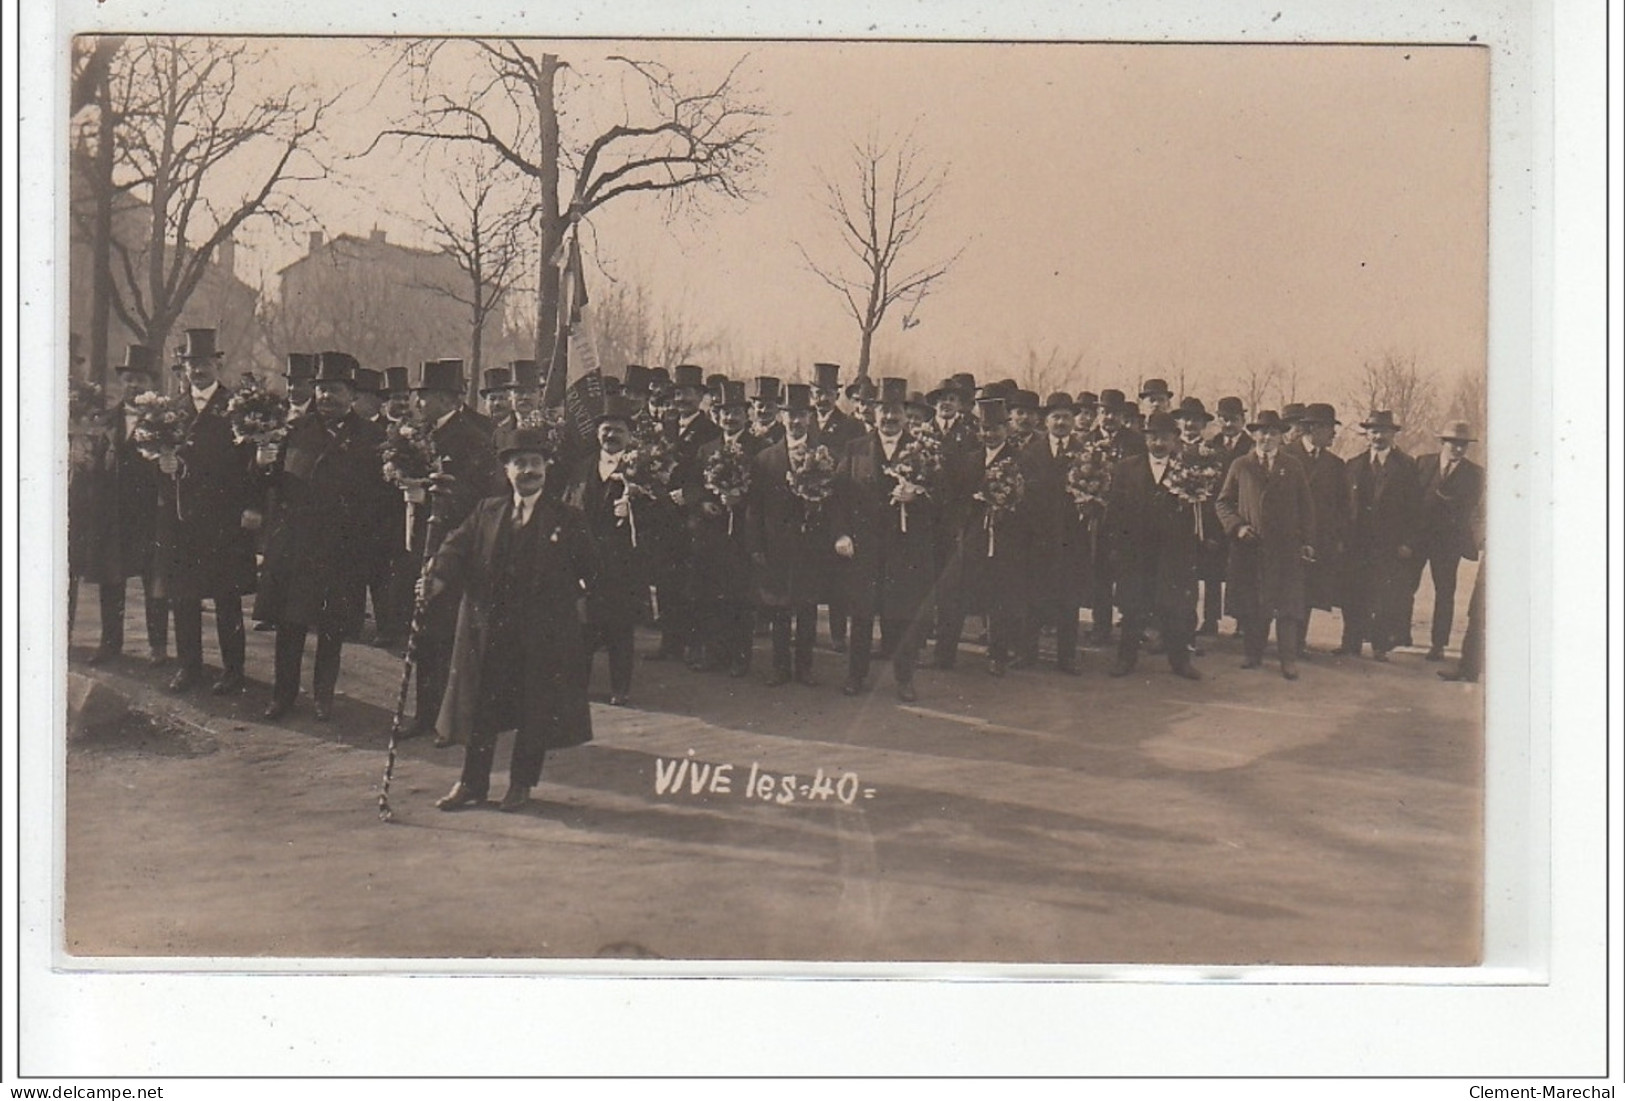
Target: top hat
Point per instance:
(637, 378)
(336, 367)
(731, 394)
(1319, 412)
(991, 411)
(893, 391)
(1113, 400)
(1267, 418)
(496, 378)
(397, 380)
(1231, 407)
(1000, 389)
(862, 388)
(1156, 388)
(687, 374)
(714, 382)
(1380, 418)
(139, 357)
(797, 398)
(1457, 432)
(766, 388)
(1192, 409)
(512, 441)
(301, 367)
(1060, 400)
(368, 381)
(199, 345)
(527, 374)
(1293, 412)
(616, 407)
(659, 381)
(1023, 399)
(441, 374)
(827, 376)
(1161, 422)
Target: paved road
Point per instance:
(1039, 818)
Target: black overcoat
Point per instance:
(618, 599)
(1266, 575)
(719, 559)
(1325, 578)
(994, 556)
(121, 514)
(203, 549)
(892, 571)
(1061, 568)
(1152, 538)
(789, 540)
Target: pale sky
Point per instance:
(1145, 207)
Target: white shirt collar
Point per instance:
(523, 507)
(608, 463)
(441, 423)
(202, 397)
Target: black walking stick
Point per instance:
(419, 602)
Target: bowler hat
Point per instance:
(1293, 412)
(991, 411)
(1000, 389)
(496, 378)
(827, 376)
(616, 407)
(1267, 418)
(919, 401)
(512, 441)
(1113, 401)
(139, 357)
(894, 391)
(862, 389)
(1380, 418)
(527, 374)
(1192, 409)
(200, 344)
(397, 380)
(1023, 399)
(301, 367)
(1161, 422)
(955, 384)
(1060, 400)
(336, 367)
(733, 394)
(687, 374)
(1088, 399)
(1457, 432)
(1319, 412)
(441, 374)
(1231, 407)
(1156, 388)
(797, 398)
(766, 388)
(368, 381)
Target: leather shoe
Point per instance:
(905, 691)
(1434, 654)
(1069, 668)
(1379, 655)
(324, 710)
(1209, 629)
(278, 709)
(618, 699)
(852, 687)
(185, 680)
(103, 655)
(1189, 672)
(1120, 669)
(995, 667)
(1252, 663)
(1021, 662)
(806, 678)
(777, 678)
(230, 681)
(515, 799)
(1457, 675)
(838, 645)
(441, 741)
(1289, 670)
(158, 658)
(460, 796)
(739, 669)
(1348, 651)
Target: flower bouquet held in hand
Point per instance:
(161, 424)
(811, 478)
(258, 416)
(1002, 489)
(1089, 477)
(1194, 476)
(727, 475)
(644, 469)
(915, 466)
(410, 458)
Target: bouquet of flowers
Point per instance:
(1194, 476)
(160, 424)
(812, 474)
(86, 402)
(646, 467)
(727, 474)
(1002, 489)
(915, 466)
(1089, 476)
(409, 457)
(257, 415)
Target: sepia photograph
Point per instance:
(832, 502)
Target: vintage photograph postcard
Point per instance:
(811, 501)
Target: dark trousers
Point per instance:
(1100, 597)
(501, 707)
(618, 641)
(1174, 625)
(837, 621)
(290, 658)
(524, 769)
(1005, 630)
(723, 629)
(112, 596)
(1065, 618)
(1375, 603)
(901, 637)
(1472, 643)
(1443, 566)
(1212, 603)
(1255, 635)
(805, 617)
(228, 625)
(433, 660)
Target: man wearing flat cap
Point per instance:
(525, 568)
(320, 534)
(1450, 526)
(1386, 499)
(1329, 486)
(208, 511)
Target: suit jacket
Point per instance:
(623, 567)
(1384, 506)
(789, 541)
(536, 596)
(841, 430)
(1126, 443)
(1153, 542)
(121, 507)
(719, 559)
(1266, 575)
(995, 555)
(1329, 486)
(1451, 510)
(1061, 567)
(891, 569)
(203, 549)
(1233, 449)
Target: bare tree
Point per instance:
(1257, 383)
(631, 330)
(201, 155)
(880, 216)
(672, 141)
(484, 231)
(1045, 372)
(1470, 401)
(1396, 382)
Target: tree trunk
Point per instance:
(550, 219)
(101, 292)
(863, 352)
